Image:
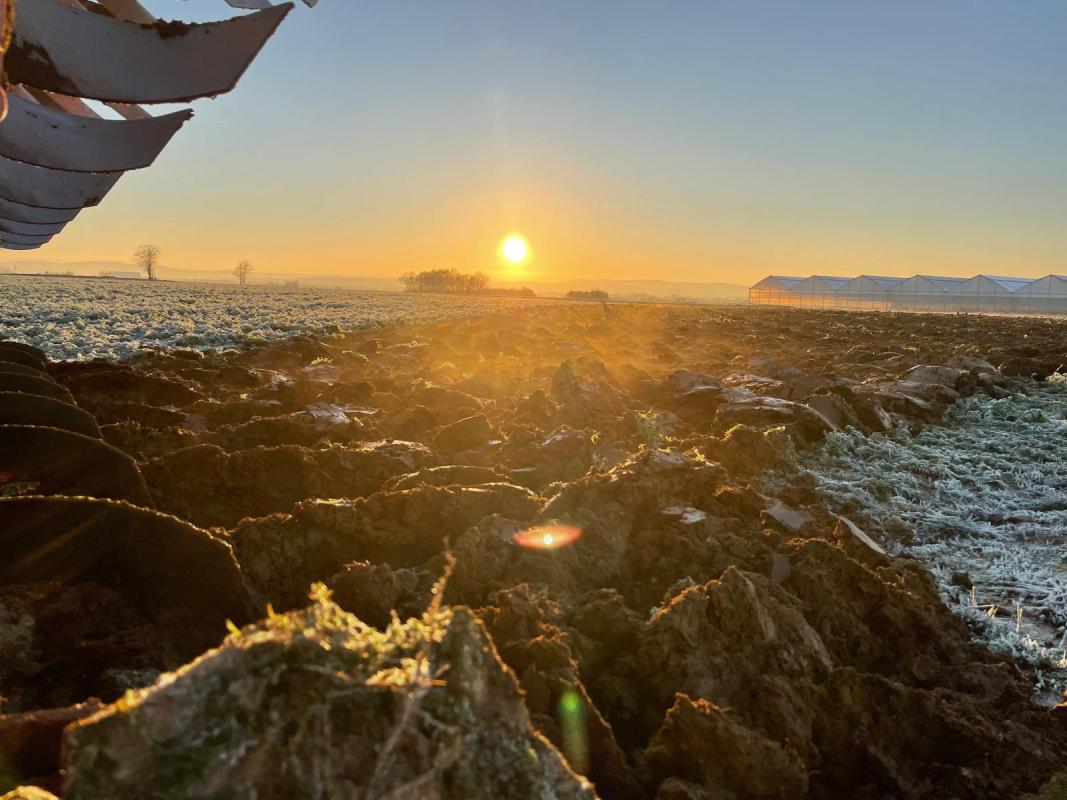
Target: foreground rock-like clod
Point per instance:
(315, 704)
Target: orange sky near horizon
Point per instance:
(572, 234)
(569, 239)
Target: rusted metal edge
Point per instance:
(85, 54)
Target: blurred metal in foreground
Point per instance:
(57, 153)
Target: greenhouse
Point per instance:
(928, 292)
(772, 290)
(870, 291)
(987, 293)
(1048, 294)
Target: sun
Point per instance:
(514, 249)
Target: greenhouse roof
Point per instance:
(947, 284)
(823, 283)
(777, 282)
(880, 280)
(1011, 284)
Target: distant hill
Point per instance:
(618, 289)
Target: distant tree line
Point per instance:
(445, 281)
(451, 281)
(592, 294)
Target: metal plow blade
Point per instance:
(30, 228)
(51, 188)
(257, 4)
(18, 238)
(86, 54)
(57, 154)
(20, 212)
(47, 137)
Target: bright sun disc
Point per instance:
(515, 249)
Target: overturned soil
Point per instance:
(721, 639)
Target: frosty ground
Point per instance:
(982, 502)
(82, 318)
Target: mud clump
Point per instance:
(421, 709)
(375, 592)
(280, 555)
(701, 750)
(110, 386)
(465, 434)
(210, 486)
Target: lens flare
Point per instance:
(571, 712)
(547, 537)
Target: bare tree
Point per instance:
(241, 271)
(147, 258)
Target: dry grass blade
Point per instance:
(412, 694)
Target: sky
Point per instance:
(689, 141)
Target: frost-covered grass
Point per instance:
(81, 318)
(984, 495)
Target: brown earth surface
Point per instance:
(715, 641)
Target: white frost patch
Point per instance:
(327, 414)
(83, 318)
(984, 495)
(687, 515)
